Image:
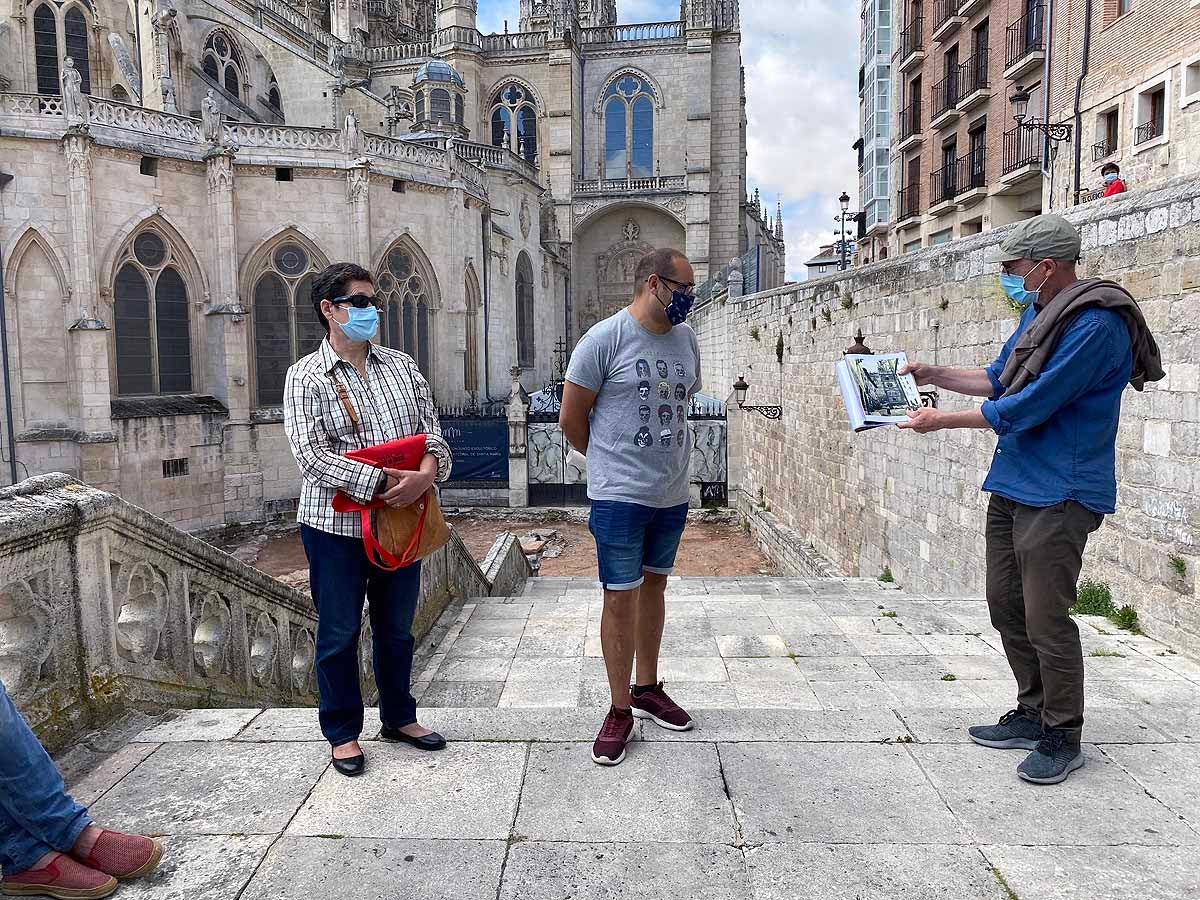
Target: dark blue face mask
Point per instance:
(678, 309)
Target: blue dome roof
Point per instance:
(436, 70)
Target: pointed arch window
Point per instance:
(152, 320)
(406, 293)
(45, 50)
(286, 326)
(514, 122)
(471, 354)
(629, 129)
(75, 34)
(525, 322)
(223, 63)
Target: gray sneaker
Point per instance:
(1055, 758)
(1015, 731)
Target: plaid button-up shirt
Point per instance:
(393, 402)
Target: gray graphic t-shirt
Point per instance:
(640, 442)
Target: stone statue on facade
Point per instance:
(75, 106)
(124, 63)
(351, 135)
(212, 119)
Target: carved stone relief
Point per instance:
(210, 636)
(24, 636)
(304, 656)
(141, 613)
(526, 218)
(264, 648)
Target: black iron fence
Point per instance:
(912, 38)
(910, 201)
(973, 75)
(972, 170)
(1147, 131)
(1022, 147)
(1103, 149)
(941, 185)
(945, 93)
(1025, 36)
(910, 120)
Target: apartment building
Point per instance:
(1136, 68)
(960, 162)
(875, 130)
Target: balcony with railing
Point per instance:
(942, 189)
(971, 178)
(974, 87)
(909, 205)
(514, 41)
(946, 19)
(659, 184)
(1148, 131)
(945, 100)
(1021, 158)
(910, 126)
(621, 34)
(1025, 43)
(968, 8)
(1103, 150)
(912, 44)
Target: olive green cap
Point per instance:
(1042, 237)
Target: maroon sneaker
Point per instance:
(609, 749)
(653, 703)
(124, 856)
(61, 878)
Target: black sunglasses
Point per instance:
(686, 286)
(358, 301)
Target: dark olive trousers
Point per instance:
(1033, 560)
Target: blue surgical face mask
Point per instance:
(1014, 286)
(1111, 177)
(362, 325)
(678, 309)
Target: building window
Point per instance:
(629, 129)
(151, 320)
(286, 325)
(75, 34)
(1151, 121)
(1123, 6)
(471, 354)
(1108, 130)
(45, 50)
(439, 106)
(120, 94)
(1191, 82)
(514, 122)
(223, 64)
(525, 321)
(404, 288)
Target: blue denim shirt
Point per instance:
(1058, 435)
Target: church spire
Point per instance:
(779, 218)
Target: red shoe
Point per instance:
(653, 703)
(62, 878)
(124, 856)
(609, 749)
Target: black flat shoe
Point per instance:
(432, 741)
(351, 766)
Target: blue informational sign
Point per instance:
(480, 448)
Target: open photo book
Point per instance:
(874, 392)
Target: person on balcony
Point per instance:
(1113, 184)
(49, 846)
(638, 486)
(349, 395)
(1054, 400)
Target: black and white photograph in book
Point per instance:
(873, 390)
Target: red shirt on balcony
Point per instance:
(1117, 187)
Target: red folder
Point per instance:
(405, 454)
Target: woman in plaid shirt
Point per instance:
(348, 395)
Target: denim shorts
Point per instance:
(632, 539)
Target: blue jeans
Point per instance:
(632, 539)
(340, 575)
(36, 814)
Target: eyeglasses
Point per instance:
(686, 286)
(358, 301)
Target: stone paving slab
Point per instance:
(214, 788)
(872, 872)
(298, 724)
(1099, 804)
(467, 791)
(333, 868)
(1099, 873)
(806, 793)
(1170, 773)
(661, 793)
(539, 870)
(204, 867)
(199, 725)
(92, 786)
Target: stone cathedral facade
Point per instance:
(181, 168)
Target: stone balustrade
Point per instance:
(496, 158)
(615, 34)
(628, 186)
(104, 606)
(399, 52)
(517, 40)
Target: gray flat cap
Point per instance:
(1042, 237)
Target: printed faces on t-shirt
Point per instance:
(658, 405)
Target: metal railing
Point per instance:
(1148, 131)
(972, 170)
(1103, 149)
(944, 11)
(945, 93)
(1022, 147)
(942, 184)
(973, 75)
(910, 202)
(910, 120)
(1026, 36)
(632, 185)
(612, 34)
(912, 38)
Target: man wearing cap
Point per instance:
(1054, 400)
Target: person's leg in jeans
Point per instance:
(338, 570)
(392, 598)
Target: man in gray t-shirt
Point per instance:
(628, 388)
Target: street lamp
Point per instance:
(740, 388)
(846, 216)
(1056, 132)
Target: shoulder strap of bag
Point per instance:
(344, 396)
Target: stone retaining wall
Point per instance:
(912, 503)
(103, 606)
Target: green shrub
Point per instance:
(886, 576)
(1126, 617)
(1179, 567)
(1094, 598)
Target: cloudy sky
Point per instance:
(801, 59)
